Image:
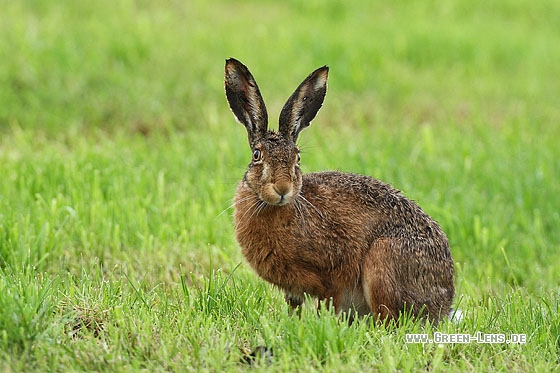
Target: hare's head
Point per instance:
(273, 174)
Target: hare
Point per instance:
(345, 238)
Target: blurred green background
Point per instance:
(145, 65)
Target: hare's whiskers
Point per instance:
(311, 204)
(261, 205)
(251, 207)
(234, 204)
(229, 207)
(298, 206)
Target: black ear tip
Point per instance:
(322, 72)
(232, 62)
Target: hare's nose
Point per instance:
(283, 189)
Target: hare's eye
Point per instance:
(298, 157)
(257, 155)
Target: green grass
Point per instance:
(119, 158)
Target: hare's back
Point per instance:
(364, 200)
(333, 186)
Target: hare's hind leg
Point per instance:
(381, 288)
(352, 303)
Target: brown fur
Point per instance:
(347, 238)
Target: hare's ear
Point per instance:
(303, 104)
(245, 100)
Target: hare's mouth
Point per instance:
(278, 195)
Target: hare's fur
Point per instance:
(342, 237)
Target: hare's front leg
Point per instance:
(294, 301)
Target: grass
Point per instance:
(119, 159)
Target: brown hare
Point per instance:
(341, 237)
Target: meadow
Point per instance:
(119, 159)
